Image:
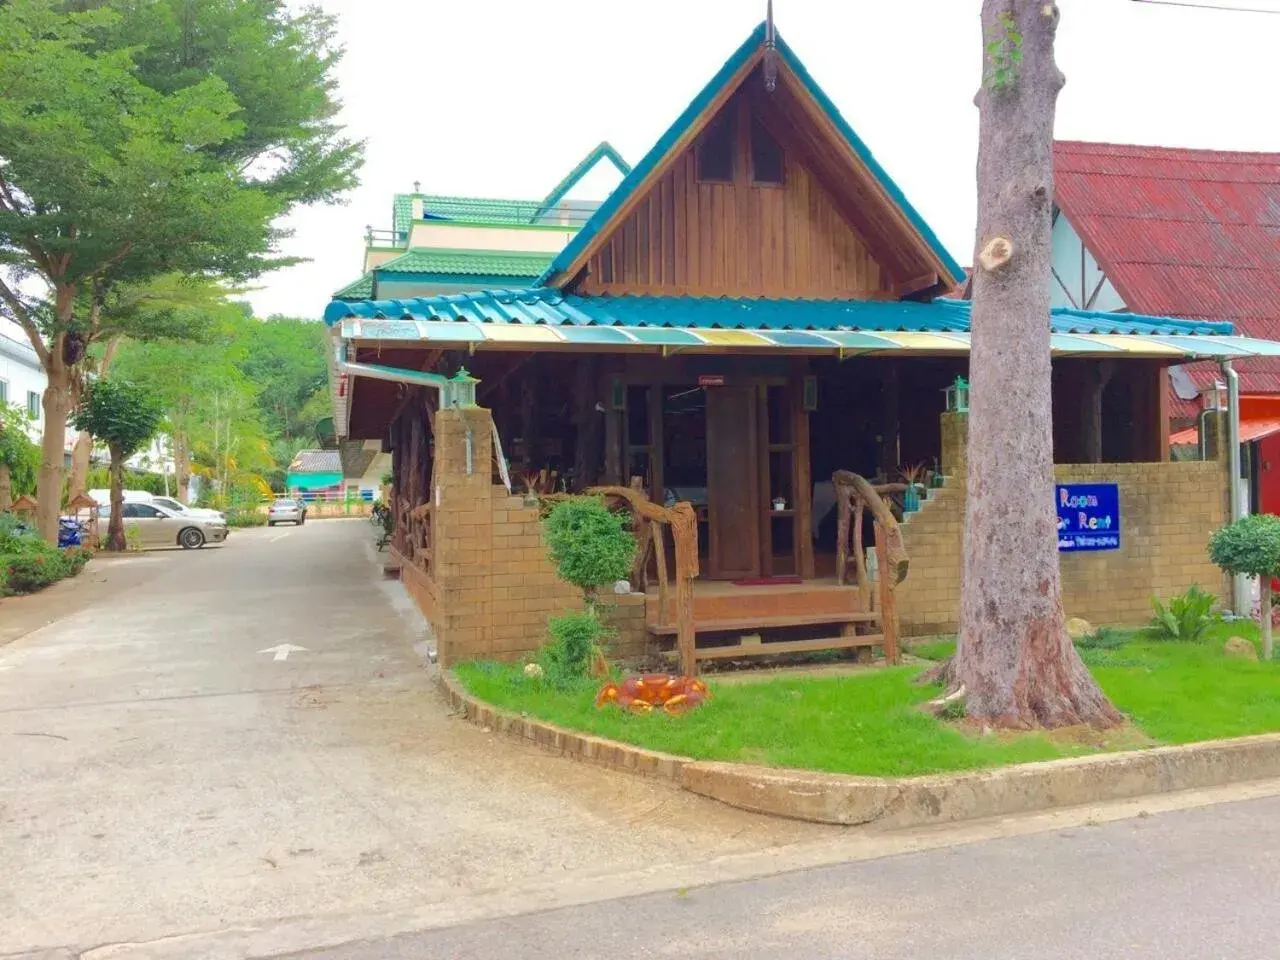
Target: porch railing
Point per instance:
(855, 496)
(413, 537)
(651, 521)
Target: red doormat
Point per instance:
(766, 581)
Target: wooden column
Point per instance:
(802, 480)
(588, 421)
(888, 598)
(1095, 382)
(529, 415)
(888, 462)
(657, 482)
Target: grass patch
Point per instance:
(1184, 692)
(868, 723)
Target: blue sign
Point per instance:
(1088, 516)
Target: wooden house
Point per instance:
(755, 308)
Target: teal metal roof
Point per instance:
(603, 151)
(466, 263)
(689, 116)
(548, 306)
(361, 289)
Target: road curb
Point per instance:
(905, 801)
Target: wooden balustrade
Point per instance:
(650, 522)
(854, 496)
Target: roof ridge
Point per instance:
(1103, 146)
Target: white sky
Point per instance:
(500, 98)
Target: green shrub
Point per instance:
(574, 645)
(245, 518)
(590, 544)
(1250, 546)
(34, 568)
(75, 558)
(1104, 638)
(1185, 618)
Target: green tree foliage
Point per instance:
(147, 137)
(125, 416)
(1251, 546)
(285, 356)
(19, 456)
(590, 544)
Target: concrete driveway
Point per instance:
(169, 789)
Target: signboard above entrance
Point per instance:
(1088, 516)
(711, 380)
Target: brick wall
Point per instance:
(1167, 512)
(493, 586)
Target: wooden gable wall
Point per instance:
(738, 239)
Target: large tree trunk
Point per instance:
(115, 526)
(1014, 659)
(6, 488)
(57, 403)
(82, 452)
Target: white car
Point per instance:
(169, 503)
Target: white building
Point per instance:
(22, 379)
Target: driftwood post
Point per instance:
(888, 599)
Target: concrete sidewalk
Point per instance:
(164, 777)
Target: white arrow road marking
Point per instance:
(282, 650)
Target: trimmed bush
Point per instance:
(574, 646)
(590, 544)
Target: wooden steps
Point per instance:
(776, 647)
(777, 622)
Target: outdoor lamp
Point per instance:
(958, 396)
(462, 388)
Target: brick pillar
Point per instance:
(463, 558)
(955, 443)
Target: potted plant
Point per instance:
(912, 475)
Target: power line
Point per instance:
(1206, 6)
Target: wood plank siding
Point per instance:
(738, 237)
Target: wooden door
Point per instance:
(733, 483)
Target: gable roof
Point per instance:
(469, 263)
(361, 289)
(691, 121)
(602, 151)
(1181, 232)
(316, 461)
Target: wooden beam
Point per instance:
(906, 288)
(802, 478)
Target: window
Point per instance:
(716, 148)
(170, 504)
(767, 162)
(4, 391)
(141, 510)
(33, 404)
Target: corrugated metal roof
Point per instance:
(316, 461)
(1250, 430)
(695, 109)
(475, 334)
(361, 289)
(1185, 233)
(545, 305)
(481, 263)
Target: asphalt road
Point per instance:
(228, 741)
(1189, 885)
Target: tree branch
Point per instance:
(27, 322)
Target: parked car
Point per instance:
(286, 510)
(157, 526)
(182, 508)
(169, 503)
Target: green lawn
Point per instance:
(867, 723)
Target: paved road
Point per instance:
(162, 776)
(1194, 884)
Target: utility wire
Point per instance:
(1206, 6)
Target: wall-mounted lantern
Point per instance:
(462, 389)
(958, 396)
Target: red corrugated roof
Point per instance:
(1183, 233)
